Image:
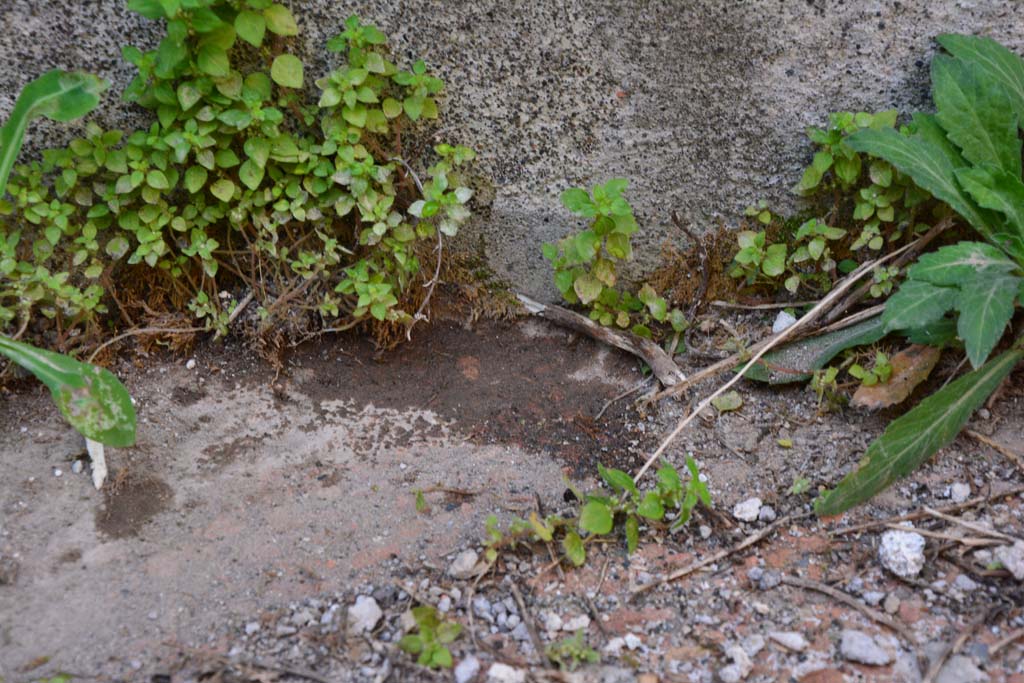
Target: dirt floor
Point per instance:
(266, 528)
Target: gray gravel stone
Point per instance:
(364, 615)
(791, 640)
(747, 510)
(467, 669)
(464, 565)
(1012, 558)
(960, 669)
(859, 647)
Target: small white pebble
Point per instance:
(191, 364)
(57, 471)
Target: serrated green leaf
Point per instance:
(917, 304)
(976, 116)
(961, 262)
(577, 200)
(618, 246)
(999, 63)
(986, 306)
(286, 71)
(931, 161)
(91, 399)
(994, 188)
(915, 437)
(596, 518)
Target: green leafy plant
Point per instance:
(241, 185)
(585, 262)
(572, 652)
(430, 642)
(967, 155)
(623, 506)
(878, 373)
(91, 399)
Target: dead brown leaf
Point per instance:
(910, 367)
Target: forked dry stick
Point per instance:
(823, 306)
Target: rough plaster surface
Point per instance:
(701, 103)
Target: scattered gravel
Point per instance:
(1012, 558)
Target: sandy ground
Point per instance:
(250, 493)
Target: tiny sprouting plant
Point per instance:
(622, 506)
(878, 372)
(572, 652)
(585, 262)
(430, 641)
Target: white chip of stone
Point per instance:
(748, 510)
(791, 640)
(783, 321)
(364, 615)
(902, 552)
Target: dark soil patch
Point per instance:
(223, 454)
(128, 505)
(496, 383)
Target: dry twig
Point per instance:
(1017, 458)
(527, 618)
(662, 365)
(850, 601)
(720, 555)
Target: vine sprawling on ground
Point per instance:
(240, 186)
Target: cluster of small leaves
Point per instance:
(879, 372)
(806, 261)
(571, 652)
(884, 201)
(432, 637)
(239, 182)
(585, 262)
(623, 505)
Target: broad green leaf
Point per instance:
(280, 21)
(214, 61)
(996, 61)
(572, 544)
(392, 108)
(617, 479)
(915, 437)
(728, 402)
(258, 150)
(251, 174)
(961, 262)
(251, 27)
(618, 246)
(172, 52)
(587, 288)
(195, 178)
(774, 263)
(57, 95)
(150, 9)
(90, 398)
(977, 117)
(413, 107)
(797, 361)
(993, 188)
(157, 180)
(287, 71)
(577, 200)
(930, 160)
(651, 507)
(986, 306)
(596, 518)
(917, 304)
(223, 189)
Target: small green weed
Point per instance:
(572, 652)
(585, 262)
(622, 506)
(430, 642)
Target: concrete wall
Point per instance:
(702, 103)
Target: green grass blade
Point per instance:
(916, 436)
(90, 398)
